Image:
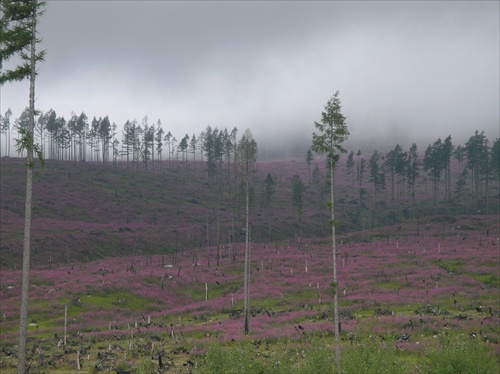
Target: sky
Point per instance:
(406, 71)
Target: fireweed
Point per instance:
(399, 285)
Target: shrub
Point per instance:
(318, 359)
(370, 356)
(231, 359)
(461, 354)
(145, 366)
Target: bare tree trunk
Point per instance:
(247, 149)
(23, 319)
(208, 239)
(335, 283)
(247, 266)
(218, 230)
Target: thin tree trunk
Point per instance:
(246, 271)
(208, 239)
(218, 230)
(335, 284)
(23, 319)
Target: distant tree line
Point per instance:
(81, 139)
(392, 175)
(397, 172)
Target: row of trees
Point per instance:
(398, 171)
(394, 173)
(79, 139)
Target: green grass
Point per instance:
(390, 285)
(366, 354)
(120, 299)
(489, 279)
(492, 264)
(303, 294)
(461, 354)
(343, 303)
(450, 265)
(49, 315)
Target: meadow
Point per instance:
(408, 304)
(141, 271)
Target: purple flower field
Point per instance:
(132, 257)
(426, 284)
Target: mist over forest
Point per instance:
(273, 142)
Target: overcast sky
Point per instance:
(405, 70)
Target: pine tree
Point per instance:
(105, 136)
(298, 199)
(412, 169)
(477, 154)
(350, 165)
(18, 35)
(5, 125)
(447, 152)
(159, 141)
(192, 146)
(318, 181)
(247, 156)
(332, 133)
(434, 163)
(267, 198)
(495, 158)
(309, 158)
(361, 171)
(376, 175)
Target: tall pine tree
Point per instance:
(18, 36)
(332, 132)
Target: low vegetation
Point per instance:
(141, 270)
(407, 305)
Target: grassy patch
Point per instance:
(303, 294)
(390, 285)
(451, 265)
(487, 278)
(36, 280)
(349, 302)
(117, 300)
(460, 354)
(197, 291)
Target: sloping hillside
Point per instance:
(87, 211)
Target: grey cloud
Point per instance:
(414, 68)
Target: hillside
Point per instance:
(133, 256)
(88, 211)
